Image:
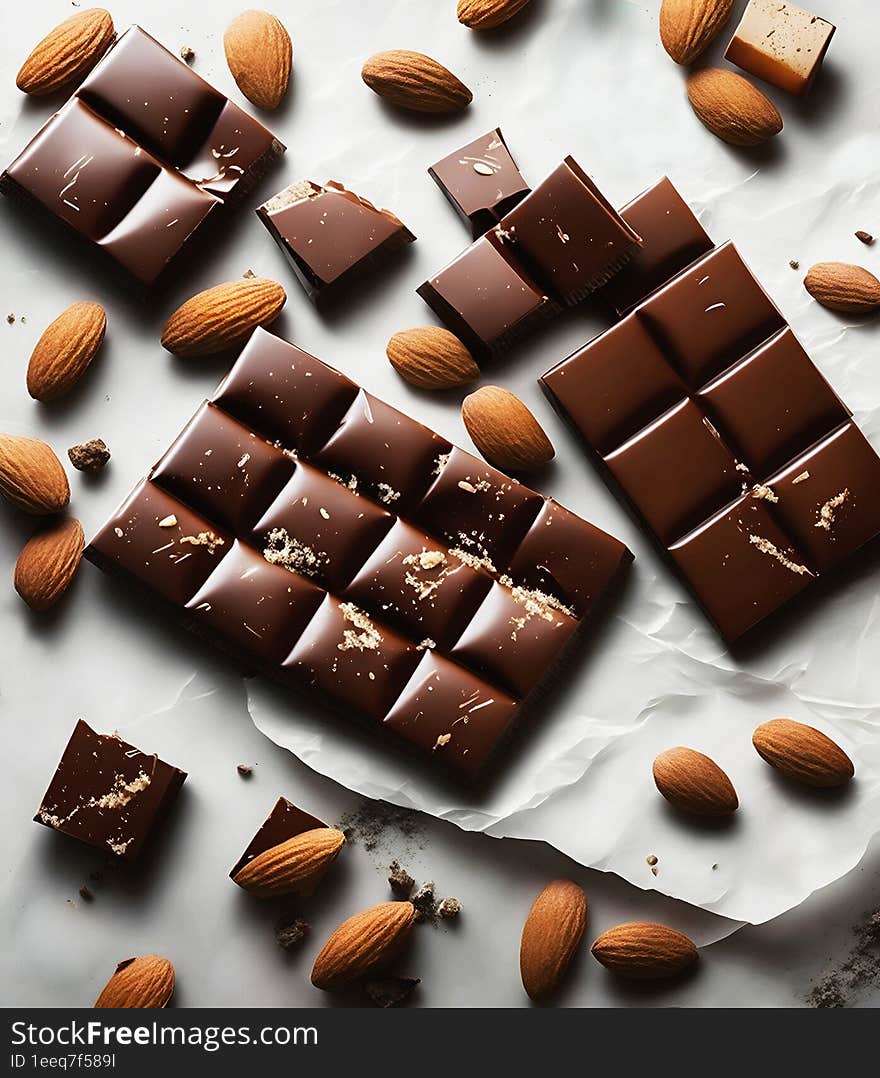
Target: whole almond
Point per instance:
(802, 753)
(843, 287)
(688, 27)
(487, 14)
(694, 783)
(66, 53)
(293, 867)
(504, 430)
(139, 982)
(363, 943)
(644, 951)
(31, 476)
(414, 81)
(47, 563)
(222, 316)
(732, 108)
(65, 349)
(431, 358)
(259, 54)
(551, 936)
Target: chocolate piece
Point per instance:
(330, 234)
(399, 880)
(285, 821)
(140, 156)
(487, 298)
(568, 233)
(481, 180)
(90, 456)
(672, 238)
(107, 793)
(727, 440)
(780, 43)
(377, 567)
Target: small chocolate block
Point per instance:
(284, 822)
(780, 43)
(108, 794)
(330, 234)
(481, 180)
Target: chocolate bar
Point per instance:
(780, 43)
(108, 794)
(330, 234)
(326, 539)
(143, 154)
(285, 821)
(724, 436)
(481, 181)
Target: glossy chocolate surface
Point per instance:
(329, 234)
(140, 156)
(481, 181)
(285, 821)
(727, 440)
(780, 43)
(374, 567)
(108, 794)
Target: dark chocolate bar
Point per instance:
(284, 822)
(717, 426)
(108, 794)
(330, 234)
(481, 181)
(332, 542)
(141, 156)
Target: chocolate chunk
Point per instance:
(449, 908)
(391, 991)
(91, 456)
(400, 880)
(245, 770)
(283, 822)
(291, 933)
(780, 43)
(424, 901)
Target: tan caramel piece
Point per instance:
(780, 43)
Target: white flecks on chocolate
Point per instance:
(800, 478)
(442, 740)
(364, 636)
(168, 522)
(766, 547)
(207, 539)
(764, 493)
(287, 551)
(828, 512)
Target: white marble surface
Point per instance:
(118, 666)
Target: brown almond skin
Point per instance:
(551, 936)
(505, 431)
(431, 358)
(841, 286)
(31, 476)
(363, 943)
(803, 753)
(694, 783)
(66, 53)
(644, 951)
(487, 14)
(223, 316)
(414, 81)
(260, 55)
(48, 562)
(732, 107)
(293, 867)
(688, 27)
(65, 349)
(139, 982)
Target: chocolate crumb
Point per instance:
(245, 770)
(793, 262)
(858, 974)
(654, 870)
(865, 237)
(10, 318)
(651, 859)
(449, 908)
(391, 991)
(400, 881)
(424, 901)
(249, 275)
(289, 933)
(188, 54)
(86, 893)
(396, 832)
(90, 456)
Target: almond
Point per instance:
(843, 287)
(363, 943)
(66, 53)
(504, 430)
(431, 358)
(139, 982)
(31, 476)
(293, 867)
(551, 936)
(644, 951)
(67, 346)
(222, 316)
(487, 14)
(732, 108)
(259, 53)
(802, 753)
(46, 565)
(414, 81)
(688, 27)
(694, 783)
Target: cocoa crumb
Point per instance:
(449, 908)
(187, 54)
(793, 262)
(90, 456)
(10, 318)
(249, 275)
(391, 991)
(245, 770)
(380, 826)
(400, 881)
(86, 893)
(865, 237)
(859, 972)
(289, 933)
(651, 859)
(424, 901)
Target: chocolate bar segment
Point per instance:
(284, 822)
(372, 566)
(780, 43)
(108, 794)
(726, 439)
(481, 181)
